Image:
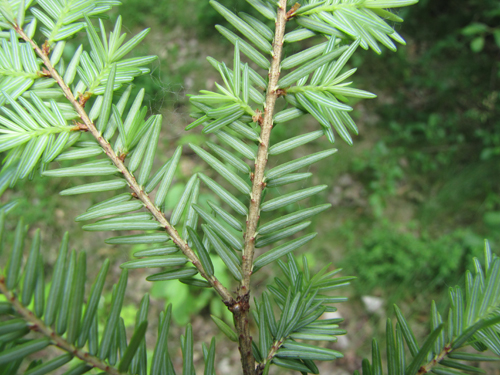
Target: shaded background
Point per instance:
(412, 200)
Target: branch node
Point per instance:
(46, 48)
(280, 92)
(258, 117)
(240, 305)
(292, 11)
(44, 73)
(83, 98)
(80, 127)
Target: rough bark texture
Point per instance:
(242, 317)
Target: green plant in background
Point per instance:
(479, 30)
(398, 262)
(440, 127)
(58, 110)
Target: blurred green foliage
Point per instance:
(393, 262)
(193, 16)
(484, 27)
(445, 114)
(438, 149)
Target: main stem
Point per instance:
(241, 310)
(133, 184)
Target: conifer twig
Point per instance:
(133, 184)
(241, 314)
(38, 325)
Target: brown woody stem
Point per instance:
(429, 366)
(242, 317)
(38, 325)
(272, 352)
(133, 184)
